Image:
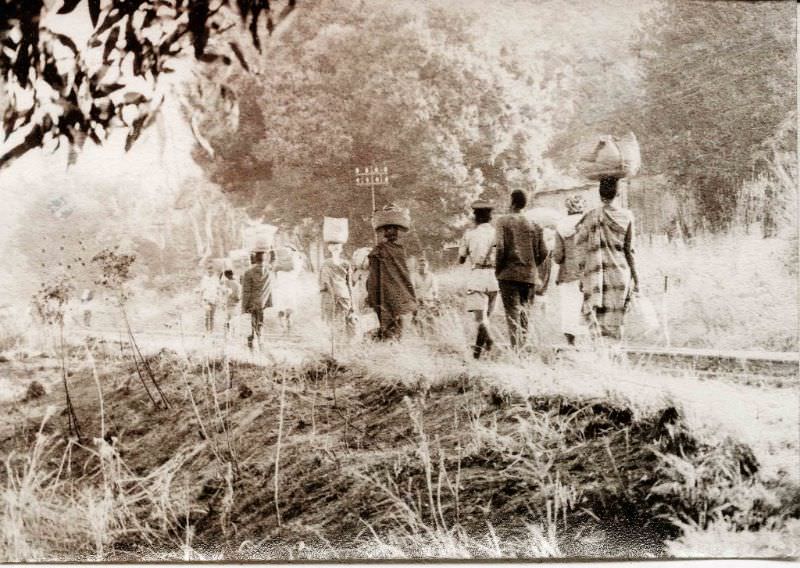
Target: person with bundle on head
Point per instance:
(568, 256)
(608, 272)
(390, 291)
(479, 246)
(336, 291)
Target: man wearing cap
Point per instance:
(390, 291)
(257, 293)
(479, 246)
(520, 249)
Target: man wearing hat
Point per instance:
(478, 245)
(390, 291)
(257, 293)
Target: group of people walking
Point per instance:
(508, 256)
(596, 269)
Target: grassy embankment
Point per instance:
(381, 453)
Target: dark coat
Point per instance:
(389, 285)
(520, 249)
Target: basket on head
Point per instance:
(391, 215)
(609, 156)
(334, 230)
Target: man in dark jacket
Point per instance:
(390, 291)
(256, 294)
(520, 248)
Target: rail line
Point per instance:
(698, 361)
(711, 362)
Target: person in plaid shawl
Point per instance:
(608, 272)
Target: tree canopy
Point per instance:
(62, 88)
(406, 88)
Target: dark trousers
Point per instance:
(209, 319)
(391, 323)
(517, 298)
(484, 340)
(256, 321)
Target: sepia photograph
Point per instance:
(368, 280)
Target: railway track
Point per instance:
(719, 362)
(700, 362)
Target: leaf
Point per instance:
(133, 98)
(132, 43)
(110, 43)
(106, 90)
(95, 138)
(244, 8)
(135, 131)
(137, 62)
(67, 41)
(254, 32)
(100, 74)
(22, 65)
(113, 17)
(239, 55)
(212, 57)
(94, 11)
(149, 18)
(198, 18)
(33, 140)
(8, 121)
(52, 76)
(68, 6)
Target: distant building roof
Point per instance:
(584, 187)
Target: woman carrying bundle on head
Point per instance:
(608, 272)
(336, 289)
(567, 255)
(390, 291)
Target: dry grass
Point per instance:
(725, 291)
(384, 453)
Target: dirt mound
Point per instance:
(257, 459)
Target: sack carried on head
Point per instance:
(334, 230)
(285, 260)
(391, 215)
(259, 238)
(609, 156)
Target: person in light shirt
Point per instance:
(479, 247)
(209, 296)
(426, 288)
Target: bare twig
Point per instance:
(278, 447)
(99, 393)
(74, 427)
